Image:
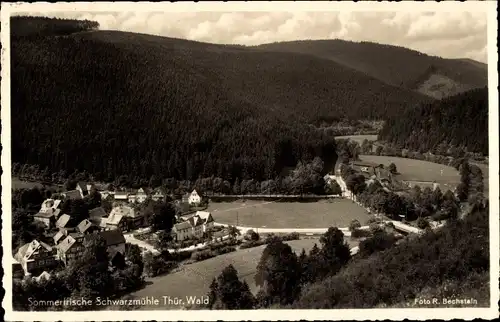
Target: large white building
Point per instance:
(193, 227)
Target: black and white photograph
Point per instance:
(250, 161)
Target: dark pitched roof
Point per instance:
(97, 212)
(82, 186)
(111, 237)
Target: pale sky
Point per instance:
(445, 34)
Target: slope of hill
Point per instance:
(449, 263)
(398, 66)
(116, 103)
(457, 121)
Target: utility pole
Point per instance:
(237, 221)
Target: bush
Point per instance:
(202, 255)
(422, 223)
(252, 243)
(251, 235)
(354, 225)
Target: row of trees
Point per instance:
(305, 178)
(281, 274)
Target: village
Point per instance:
(68, 237)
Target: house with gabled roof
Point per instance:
(36, 256)
(48, 217)
(69, 249)
(86, 227)
(58, 237)
(194, 226)
(50, 205)
(115, 241)
(158, 195)
(133, 218)
(63, 221)
(116, 221)
(194, 198)
(84, 188)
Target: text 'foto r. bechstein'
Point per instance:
(249, 160)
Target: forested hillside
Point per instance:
(454, 122)
(398, 66)
(449, 263)
(115, 103)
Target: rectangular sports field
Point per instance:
(195, 279)
(271, 214)
(418, 170)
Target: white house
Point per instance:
(194, 226)
(141, 196)
(194, 198)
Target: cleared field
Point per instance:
(418, 170)
(21, 184)
(358, 138)
(269, 214)
(195, 279)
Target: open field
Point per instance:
(261, 214)
(195, 279)
(418, 170)
(22, 184)
(358, 138)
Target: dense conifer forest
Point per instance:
(115, 103)
(460, 121)
(398, 66)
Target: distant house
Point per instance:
(116, 222)
(121, 196)
(194, 198)
(383, 175)
(69, 249)
(365, 167)
(58, 237)
(86, 227)
(194, 226)
(132, 198)
(50, 205)
(48, 218)
(185, 198)
(83, 189)
(72, 194)
(98, 212)
(36, 256)
(115, 241)
(63, 221)
(141, 195)
(182, 231)
(44, 276)
(105, 194)
(158, 195)
(130, 217)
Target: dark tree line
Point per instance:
(458, 122)
(24, 26)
